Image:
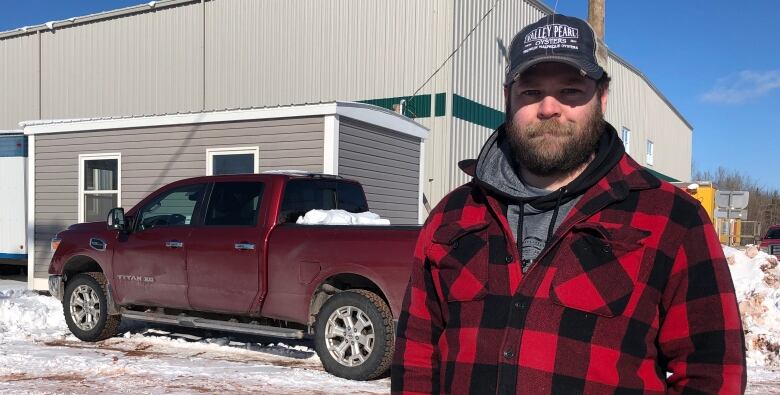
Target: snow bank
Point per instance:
(25, 314)
(341, 217)
(757, 284)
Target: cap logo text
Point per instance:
(552, 31)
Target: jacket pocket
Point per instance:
(459, 254)
(596, 268)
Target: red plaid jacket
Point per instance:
(633, 285)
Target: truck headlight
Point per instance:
(55, 243)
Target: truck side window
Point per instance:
(351, 198)
(300, 196)
(234, 204)
(173, 208)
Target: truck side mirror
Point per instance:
(116, 219)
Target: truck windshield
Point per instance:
(773, 233)
(300, 196)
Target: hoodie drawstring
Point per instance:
(520, 232)
(550, 230)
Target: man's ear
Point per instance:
(603, 98)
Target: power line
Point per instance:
(454, 51)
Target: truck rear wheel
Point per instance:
(354, 335)
(86, 308)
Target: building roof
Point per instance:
(359, 111)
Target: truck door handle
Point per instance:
(97, 244)
(174, 244)
(245, 246)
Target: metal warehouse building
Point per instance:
(192, 56)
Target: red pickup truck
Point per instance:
(771, 241)
(225, 253)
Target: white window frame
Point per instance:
(625, 136)
(649, 147)
(85, 157)
(212, 152)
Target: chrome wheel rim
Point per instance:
(349, 336)
(84, 307)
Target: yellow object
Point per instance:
(705, 192)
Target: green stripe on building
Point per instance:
(661, 175)
(441, 104)
(471, 111)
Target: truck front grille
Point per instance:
(774, 249)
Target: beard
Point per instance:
(550, 148)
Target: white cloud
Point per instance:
(743, 86)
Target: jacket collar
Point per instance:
(624, 177)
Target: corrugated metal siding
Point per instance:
(479, 70)
(387, 164)
(634, 104)
(19, 80)
(146, 63)
(480, 63)
(152, 157)
(281, 52)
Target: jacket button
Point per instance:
(509, 354)
(509, 258)
(606, 249)
(519, 306)
(455, 245)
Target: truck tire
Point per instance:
(86, 308)
(354, 335)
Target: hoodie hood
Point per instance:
(495, 171)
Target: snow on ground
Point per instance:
(39, 355)
(756, 278)
(341, 217)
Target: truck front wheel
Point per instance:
(86, 308)
(354, 335)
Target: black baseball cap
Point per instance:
(555, 38)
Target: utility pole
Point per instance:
(596, 21)
(596, 17)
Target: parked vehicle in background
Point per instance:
(224, 253)
(771, 241)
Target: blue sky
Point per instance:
(717, 61)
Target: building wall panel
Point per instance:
(139, 64)
(19, 80)
(387, 164)
(279, 52)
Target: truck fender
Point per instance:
(336, 283)
(84, 263)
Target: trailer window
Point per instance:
(233, 160)
(99, 185)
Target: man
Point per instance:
(564, 266)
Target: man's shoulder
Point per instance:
(673, 202)
(457, 199)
